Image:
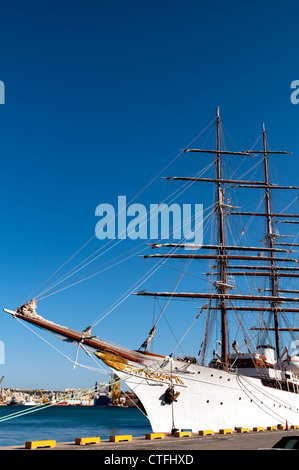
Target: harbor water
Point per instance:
(66, 423)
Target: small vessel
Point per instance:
(29, 403)
(13, 401)
(249, 295)
(102, 399)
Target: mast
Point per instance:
(270, 238)
(223, 251)
(221, 286)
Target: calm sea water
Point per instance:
(65, 423)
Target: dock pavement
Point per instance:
(172, 445)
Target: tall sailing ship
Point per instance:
(258, 386)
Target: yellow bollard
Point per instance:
(37, 444)
(182, 434)
(155, 435)
(82, 441)
(125, 437)
(206, 432)
(225, 431)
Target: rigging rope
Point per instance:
(140, 192)
(155, 366)
(132, 288)
(66, 276)
(135, 285)
(268, 395)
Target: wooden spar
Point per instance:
(286, 244)
(218, 151)
(273, 329)
(240, 273)
(76, 336)
(236, 183)
(257, 309)
(222, 297)
(287, 221)
(213, 180)
(259, 214)
(222, 250)
(263, 186)
(273, 274)
(216, 247)
(284, 290)
(220, 257)
(271, 152)
(277, 268)
(248, 153)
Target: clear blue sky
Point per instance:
(100, 96)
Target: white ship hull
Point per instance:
(212, 399)
(209, 398)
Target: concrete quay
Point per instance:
(251, 440)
